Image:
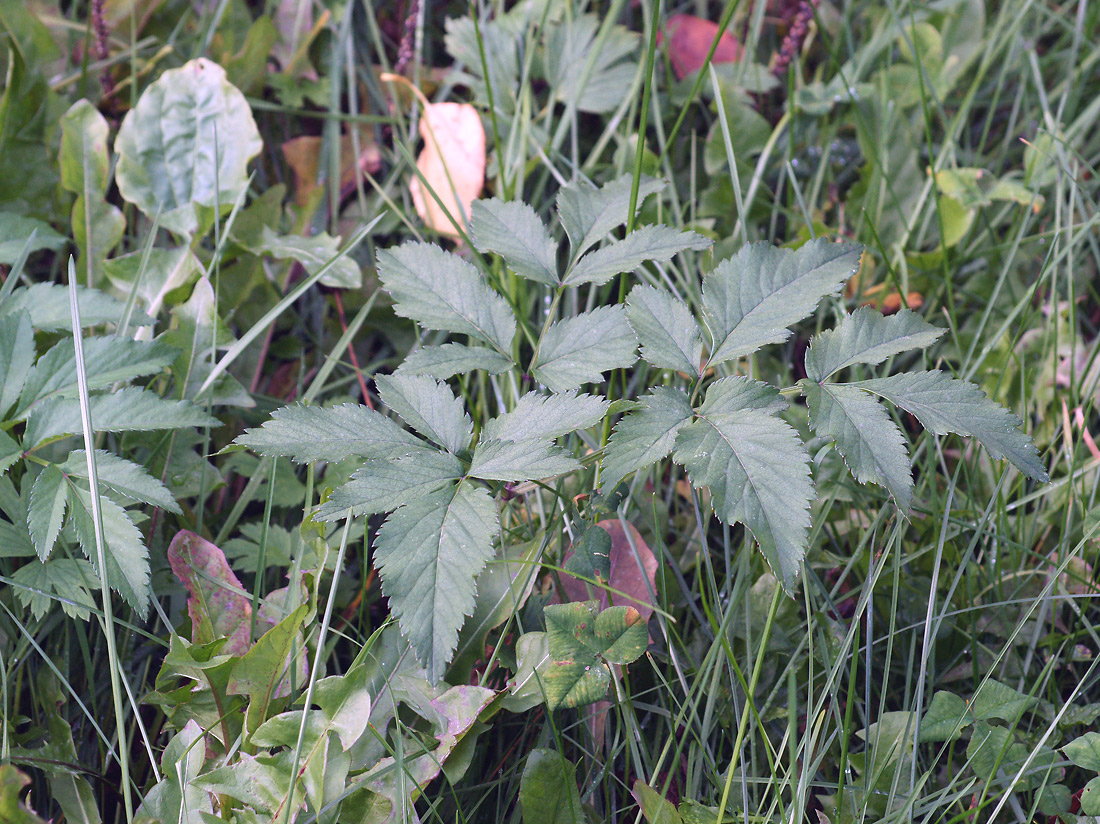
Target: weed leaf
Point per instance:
(944, 404)
(580, 349)
(513, 231)
(546, 416)
(521, 460)
(442, 291)
(429, 407)
(588, 213)
(16, 356)
(127, 557)
(429, 553)
(646, 435)
(314, 433)
(758, 474)
(314, 253)
(548, 789)
(215, 603)
(656, 243)
(452, 359)
(49, 497)
(126, 478)
(751, 299)
(384, 485)
(867, 336)
(48, 306)
(871, 444)
(666, 330)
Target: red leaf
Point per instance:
(636, 583)
(216, 610)
(689, 40)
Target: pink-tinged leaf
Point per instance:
(216, 605)
(452, 163)
(689, 40)
(636, 583)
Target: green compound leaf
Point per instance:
(132, 409)
(450, 359)
(127, 557)
(580, 349)
(442, 291)
(666, 329)
(582, 642)
(867, 336)
(871, 444)
(10, 452)
(751, 299)
(588, 213)
(647, 243)
(186, 144)
(384, 485)
(59, 581)
(314, 433)
(546, 416)
(126, 478)
(49, 497)
(513, 231)
(569, 47)
(429, 553)
(429, 407)
(944, 404)
(756, 468)
(107, 360)
(523, 460)
(646, 435)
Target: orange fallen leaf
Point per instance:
(452, 164)
(689, 40)
(303, 155)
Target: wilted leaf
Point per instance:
(303, 155)
(452, 164)
(632, 570)
(216, 604)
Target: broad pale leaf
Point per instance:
(548, 791)
(646, 435)
(759, 475)
(49, 496)
(580, 349)
(867, 336)
(126, 478)
(513, 231)
(164, 271)
(16, 230)
(216, 604)
(870, 443)
(16, 356)
(131, 409)
(97, 225)
(944, 404)
(666, 330)
(647, 243)
(48, 306)
(429, 407)
(175, 797)
(524, 460)
(314, 433)
(430, 552)
(127, 556)
(546, 416)
(106, 361)
(384, 485)
(314, 253)
(186, 144)
(451, 359)
(442, 291)
(588, 213)
(751, 299)
(1085, 751)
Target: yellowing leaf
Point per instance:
(452, 164)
